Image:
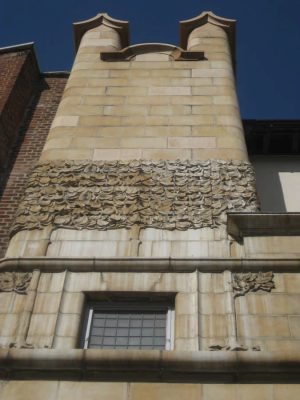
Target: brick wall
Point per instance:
(19, 75)
(26, 151)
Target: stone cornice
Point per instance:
(140, 264)
(240, 225)
(152, 365)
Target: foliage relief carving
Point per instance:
(118, 194)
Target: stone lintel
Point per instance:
(122, 27)
(176, 53)
(240, 225)
(152, 365)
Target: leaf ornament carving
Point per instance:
(118, 194)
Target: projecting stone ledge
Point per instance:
(240, 224)
(152, 365)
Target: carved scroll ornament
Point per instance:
(252, 282)
(118, 194)
(14, 282)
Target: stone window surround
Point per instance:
(133, 301)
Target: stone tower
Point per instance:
(137, 248)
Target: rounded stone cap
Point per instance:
(187, 26)
(122, 27)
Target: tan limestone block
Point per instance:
(186, 304)
(209, 282)
(126, 90)
(65, 120)
(292, 282)
(6, 302)
(47, 303)
(212, 73)
(157, 120)
(213, 326)
(170, 110)
(9, 324)
(121, 131)
(82, 91)
(220, 391)
(29, 390)
(272, 244)
(96, 66)
(170, 91)
(72, 132)
(92, 143)
(255, 391)
(51, 282)
(68, 325)
(166, 154)
(229, 120)
(186, 344)
(192, 120)
(90, 73)
(42, 325)
(108, 82)
(104, 120)
(192, 142)
(58, 143)
(164, 131)
(143, 143)
(171, 73)
(149, 100)
(116, 154)
(286, 391)
(126, 110)
(186, 326)
(67, 154)
(295, 326)
(81, 109)
(215, 303)
(166, 391)
(103, 100)
(72, 100)
(128, 73)
(192, 100)
(224, 82)
(213, 91)
(228, 142)
(150, 65)
(260, 326)
(222, 154)
(92, 391)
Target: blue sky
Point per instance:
(268, 39)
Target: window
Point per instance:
(128, 325)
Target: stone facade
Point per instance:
(143, 191)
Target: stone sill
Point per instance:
(240, 225)
(151, 365)
(140, 264)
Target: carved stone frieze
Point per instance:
(118, 194)
(14, 282)
(252, 282)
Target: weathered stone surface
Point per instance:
(109, 195)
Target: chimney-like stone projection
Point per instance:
(146, 154)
